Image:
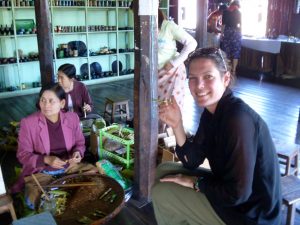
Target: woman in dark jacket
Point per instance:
(243, 186)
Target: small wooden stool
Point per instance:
(290, 196)
(116, 108)
(6, 205)
(288, 155)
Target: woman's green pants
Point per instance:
(177, 205)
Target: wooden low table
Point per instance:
(290, 196)
(6, 205)
(117, 107)
(288, 155)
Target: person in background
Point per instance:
(243, 183)
(171, 69)
(78, 98)
(232, 37)
(50, 143)
(214, 26)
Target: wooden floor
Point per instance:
(278, 105)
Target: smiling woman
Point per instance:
(236, 142)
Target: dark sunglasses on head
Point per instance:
(202, 52)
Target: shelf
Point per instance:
(101, 55)
(68, 7)
(8, 94)
(68, 17)
(23, 7)
(7, 36)
(126, 31)
(101, 7)
(68, 33)
(102, 32)
(72, 58)
(8, 64)
(126, 53)
(34, 61)
(26, 35)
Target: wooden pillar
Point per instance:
(145, 90)
(201, 29)
(44, 38)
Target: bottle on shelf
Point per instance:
(11, 30)
(6, 30)
(1, 30)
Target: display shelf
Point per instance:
(90, 16)
(99, 35)
(19, 45)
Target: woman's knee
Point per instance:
(160, 191)
(168, 168)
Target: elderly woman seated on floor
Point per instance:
(50, 143)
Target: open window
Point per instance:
(254, 17)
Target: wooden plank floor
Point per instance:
(278, 106)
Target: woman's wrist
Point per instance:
(45, 159)
(196, 185)
(179, 134)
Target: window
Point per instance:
(254, 17)
(187, 16)
(297, 6)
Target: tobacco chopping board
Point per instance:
(85, 200)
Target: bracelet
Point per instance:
(196, 186)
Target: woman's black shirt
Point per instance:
(244, 187)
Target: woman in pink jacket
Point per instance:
(50, 143)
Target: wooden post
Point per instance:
(44, 38)
(145, 90)
(201, 29)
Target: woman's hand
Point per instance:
(87, 107)
(54, 162)
(166, 70)
(76, 158)
(168, 66)
(183, 180)
(169, 113)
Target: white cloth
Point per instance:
(262, 44)
(70, 103)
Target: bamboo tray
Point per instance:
(84, 200)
